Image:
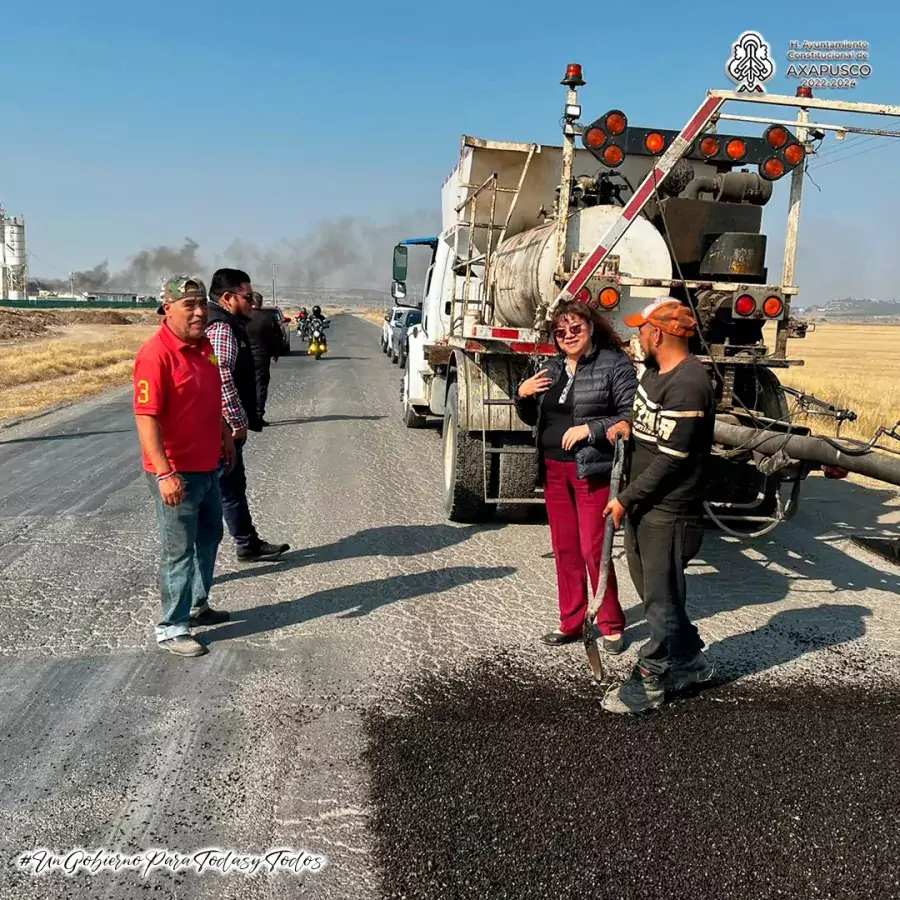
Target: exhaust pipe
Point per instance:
(879, 466)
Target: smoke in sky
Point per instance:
(348, 252)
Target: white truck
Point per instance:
(634, 214)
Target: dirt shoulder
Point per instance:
(56, 357)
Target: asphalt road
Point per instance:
(106, 742)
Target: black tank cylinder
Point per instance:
(735, 255)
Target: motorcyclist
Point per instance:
(303, 323)
(318, 320)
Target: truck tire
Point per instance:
(517, 475)
(463, 464)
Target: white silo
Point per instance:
(15, 260)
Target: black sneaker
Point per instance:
(184, 645)
(210, 616)
(687, 673)
(613, 646)
(640, 693)
(263, 551)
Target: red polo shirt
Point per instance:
(179, 385)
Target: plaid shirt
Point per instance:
(226, 349)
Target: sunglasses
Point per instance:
(574, 330)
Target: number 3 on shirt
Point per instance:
(143, 392)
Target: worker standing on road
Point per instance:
(575, 403)
(229, 311)
(178, 409)
(674, 416)
(265, 344)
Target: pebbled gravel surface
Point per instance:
(499, 784)
(107, 742)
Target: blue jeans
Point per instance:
(191, 533)
(233, 485)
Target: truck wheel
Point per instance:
(401, 360)
(518, 473)
(394, 357)
(463, 458)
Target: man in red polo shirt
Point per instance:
(178, 408)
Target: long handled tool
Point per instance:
(591, 632)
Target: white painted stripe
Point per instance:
(672, 452)
(646, 399)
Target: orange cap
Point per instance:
(667, 314)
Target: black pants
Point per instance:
(235, 508)
(263, 369)
(659, 546)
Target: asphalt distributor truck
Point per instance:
(632, 214)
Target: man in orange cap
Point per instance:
(673, 419)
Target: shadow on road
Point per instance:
(766, 572)
(352, 600)
(388, 540)
(331, 418)
(66, 437)
(785, 637)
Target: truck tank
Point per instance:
(522, 267)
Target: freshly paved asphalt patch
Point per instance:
(501, 784)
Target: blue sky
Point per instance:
(131, 125)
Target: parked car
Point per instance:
(389, 318)
(400, 327)
(284, 325)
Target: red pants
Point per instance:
(575, 512)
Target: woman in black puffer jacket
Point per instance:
(576, 405)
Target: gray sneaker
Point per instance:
(640, 693)
(686, 673)
(184, 645)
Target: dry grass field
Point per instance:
(852, 366)
(65, 356)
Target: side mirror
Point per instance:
(398, 289)
(400, 262)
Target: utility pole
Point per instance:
(72, 283)
(274, 275)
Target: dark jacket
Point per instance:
(244, 371)
(265, 335)
(604, 389)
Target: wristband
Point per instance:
(166, 475)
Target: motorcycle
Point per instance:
(303, 329)
(317, 341)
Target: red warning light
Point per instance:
(573, 76)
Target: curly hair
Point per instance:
(604, 334)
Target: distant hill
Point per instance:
(856, 309)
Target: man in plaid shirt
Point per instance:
(230, 299)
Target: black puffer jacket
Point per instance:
(604, 389)
(244, 373)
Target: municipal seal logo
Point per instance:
(750, 65)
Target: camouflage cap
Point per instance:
(176, 288)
